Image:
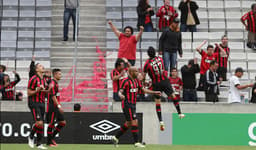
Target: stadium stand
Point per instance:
(31, 27)
(217, 18)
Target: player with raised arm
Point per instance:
(154, 66)
(36, 97)
(128, 94)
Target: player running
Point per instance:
(54, 110)
(128, 94)
(154, 66)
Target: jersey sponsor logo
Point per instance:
(58, 94)
(104, 127)
(9, 89)
(134, 90)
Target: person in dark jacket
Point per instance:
(145, 11)
(212, 83)
(253, 99)
(169, 43)
(188, 73)
(189, 18)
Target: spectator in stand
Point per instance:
(77, 107)
(145, 11)
(253, 99)
(166, 15)
(127, 42)
(222, 52)
(70, 11)
(188, 73)
(8, 87)
(250, 18)
(176, 83)
(189, 18)
(117, 75)
(170, 43)
(235, 87)
(205, 62)
(212, 83)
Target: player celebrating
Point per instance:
(128, 93)
(8, 87)
(54, 110)
(155, 69)
(36, 97)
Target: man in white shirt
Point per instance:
(235, 86)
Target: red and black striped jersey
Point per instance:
(116, 83)
(34, 83)
(222, 61)
(176, 84)
(155, 69)
(251, 21)
(54, 91)
(8, 91)
(131, 88)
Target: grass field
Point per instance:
(126, 147)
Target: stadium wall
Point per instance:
(153, 135)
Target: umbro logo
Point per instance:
(104, 126)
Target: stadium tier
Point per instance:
(31, 27)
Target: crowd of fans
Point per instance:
(214, 61)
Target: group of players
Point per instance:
(128, 88)
(44, 89)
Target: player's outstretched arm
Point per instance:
(151, 92)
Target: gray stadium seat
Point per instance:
(8, 44)
(26, 34)
(10, 2)
(43, 24)
(24, 54)
(212, 4)
(25, 44)
(42, 54)
(8, 35)
(27, 3)
(27, 13)
(113, 3)
(7, 54)
(26, 24)
(43, 34)
(113, 15)
(44, 3)
(43, 13)
(10, 13)
(130, 3)
(233, 4)
(43, 44)
(9, 23)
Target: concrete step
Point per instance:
(80, 44)
(71, 54)
(83, 10)
(83, 2)
(59, 32)
(59, 21)
(71, 49)
(81, 38)
(86, 17)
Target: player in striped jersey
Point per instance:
(154, 66)
(54, 110)
(128, 94)
(36, 97)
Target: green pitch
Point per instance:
(125, 147)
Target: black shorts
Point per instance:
(163, 86)
(37, 110)
(129, 112)
(54, 115)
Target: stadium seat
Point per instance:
(27, 13)
(9, 23)
(24, 55)
(130, 3)
(10, 13)
(234, 65)
(27, 3)
(113, 3)
(233, 4)
(26, 24)
(237, 56)
(10, 3)
(7, 54)
(8, 35)
(212, 4)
